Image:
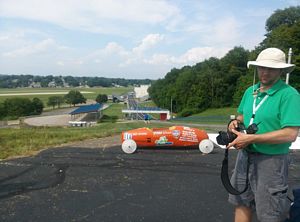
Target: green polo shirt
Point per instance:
(279, 110)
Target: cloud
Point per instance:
(114, 48)
(124, 57)
(112, 51)
(32, 49)
(148, 42)
(102, 16)
(199, 54)
(190, 57)
(224, 31)
(113, 56)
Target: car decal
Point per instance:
(163, 141)
(188, 136)
(127, 136)
(176, 133)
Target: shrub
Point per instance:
(187, 112)
(106, 118)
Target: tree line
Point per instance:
(73, 97)
(14, 81)
(15, 107)
(215, 82)
(18, 106)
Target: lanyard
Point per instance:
(255, 108)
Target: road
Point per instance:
(89, 181)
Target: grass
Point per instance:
(26, 141)
(227, 111)
(115, 109)
(94, 92)
(209, 116)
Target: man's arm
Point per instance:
(285, 135)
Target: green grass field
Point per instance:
(115, 109)
(94, 92)
(210, 116)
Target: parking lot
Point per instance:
(90, 183)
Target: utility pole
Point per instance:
(289, 62)
(171, 108)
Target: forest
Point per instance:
(216, 83)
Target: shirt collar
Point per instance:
(277, 86)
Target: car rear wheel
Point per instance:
(129, 146)
(206, 146)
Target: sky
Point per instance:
(132, 39)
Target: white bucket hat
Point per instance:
(272, 58)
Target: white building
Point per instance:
(141, 92)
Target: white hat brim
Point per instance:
(271, 64)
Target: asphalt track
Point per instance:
(93, 184)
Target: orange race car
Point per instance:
(178, 136)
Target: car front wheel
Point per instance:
(206, 146)
(129, 146)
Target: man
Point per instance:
(147, 118)
(275, 107)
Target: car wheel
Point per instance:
(129, 146)
(206, 146)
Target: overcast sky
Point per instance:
(125, 38)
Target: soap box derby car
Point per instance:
(175, 136)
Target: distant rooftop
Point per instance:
(87, 109)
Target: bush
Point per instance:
(38, 106)
(188, 111)
(106, 118)
(18, 106)
(101, 98)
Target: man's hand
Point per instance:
(242, 140)
(233, 125)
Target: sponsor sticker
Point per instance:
(176, 133)
(189, 136)
(163, 141)
(127, 136)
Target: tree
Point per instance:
(3, 111)
(46, 80)
(71, 81)
(283, 32)
(74, 97)
(55, 101)
(102, 98)
(16, 107)
(236, 57)
(58, 81)
(288, 16)
(51, 101)
(38, 106)
(243, 83)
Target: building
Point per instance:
(141, 92)
(86, 115)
